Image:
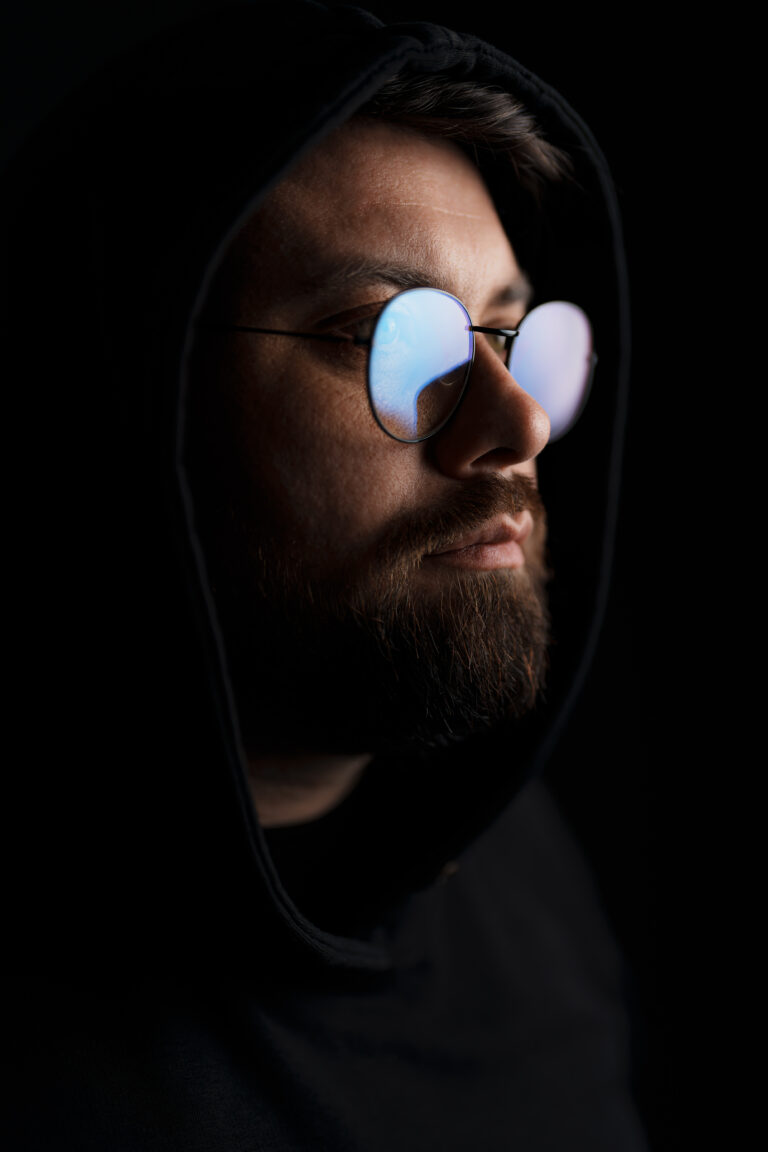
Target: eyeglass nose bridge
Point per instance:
(508, 334)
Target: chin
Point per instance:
(400, 670)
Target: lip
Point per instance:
(496, 544)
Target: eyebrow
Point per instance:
(407, 274)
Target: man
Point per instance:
(348, 528)
(312, 615)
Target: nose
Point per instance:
(497, 426)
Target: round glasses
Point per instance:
(422, 349)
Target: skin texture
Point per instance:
(294, 434)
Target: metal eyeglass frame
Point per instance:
(509, 335)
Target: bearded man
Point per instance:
(329, 343)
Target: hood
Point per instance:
(138, 838)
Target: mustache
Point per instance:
(435, 528)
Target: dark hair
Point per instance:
(482, 119)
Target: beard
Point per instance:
(380, 661)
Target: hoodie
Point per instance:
(442, 975)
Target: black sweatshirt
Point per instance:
(436, 974)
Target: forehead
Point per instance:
(374, 194)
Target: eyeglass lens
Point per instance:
(422, 352)
(552, 360)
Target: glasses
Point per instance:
(422, 349)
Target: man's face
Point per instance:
(311, 512)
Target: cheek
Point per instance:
(316, 458)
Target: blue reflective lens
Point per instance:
(552, 359)
(421, 353)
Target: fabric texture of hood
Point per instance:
(142, 847)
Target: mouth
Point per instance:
(499, 543)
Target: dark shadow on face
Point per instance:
(376, 662)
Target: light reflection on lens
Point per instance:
(420, 357)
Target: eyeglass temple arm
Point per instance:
(509, 333)
(327, 336)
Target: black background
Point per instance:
(623, 783)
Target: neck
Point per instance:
(297, 788)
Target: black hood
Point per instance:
(139, 839)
